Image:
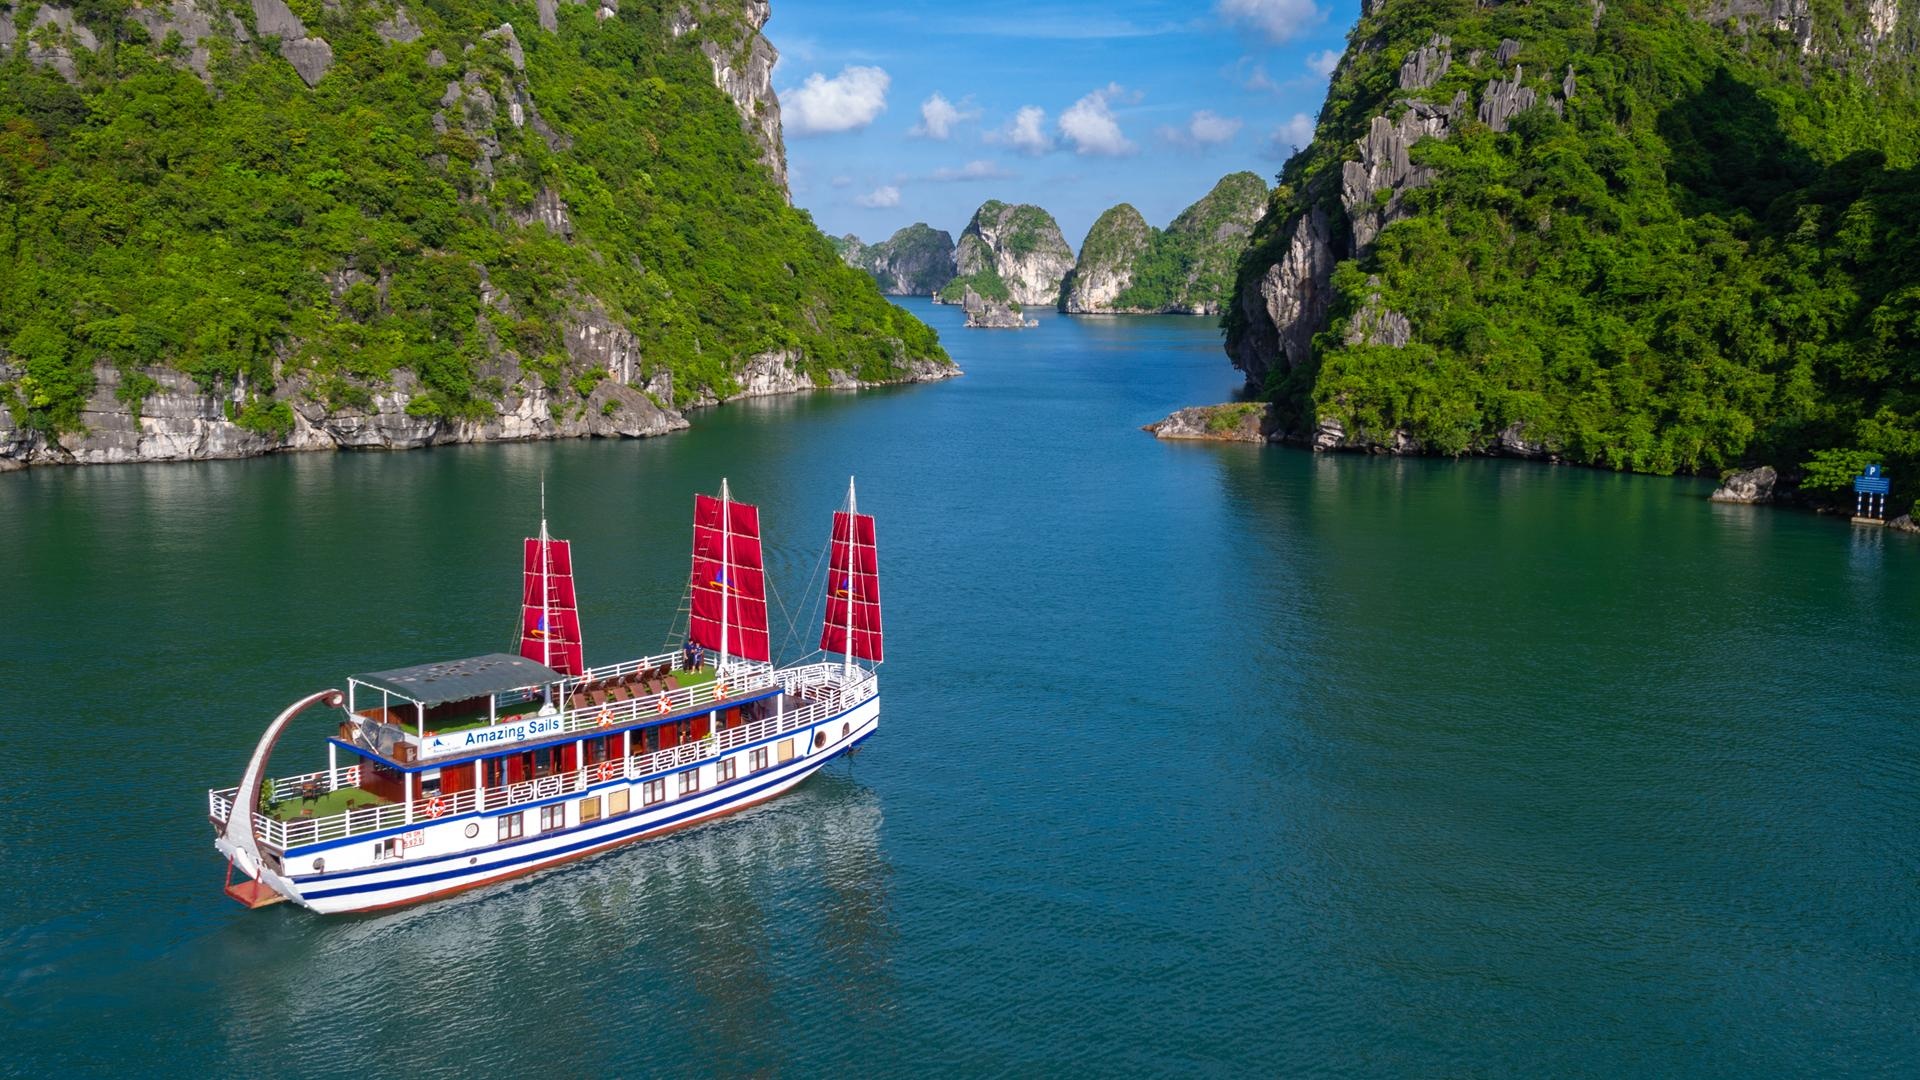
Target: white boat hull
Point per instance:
(462, 852)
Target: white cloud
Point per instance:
(972, 170)
(1258, 79)
(1089, 125)
(1276, 20)
(843, 180)
(938, 116)
(1205, 128)
(1323, 62)
(1291, 136)
(884, 196)
(847, 102)
(1026, 132)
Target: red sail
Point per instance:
(854, 579)
(729, 560)
(550, 624)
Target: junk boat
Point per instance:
(447, 776)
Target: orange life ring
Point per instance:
(606, 770)
(436, 806)
(719, 690)
(606, 717)
(665, 706)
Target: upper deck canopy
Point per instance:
(461, 680)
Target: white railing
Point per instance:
(743, 678)
(301, 831)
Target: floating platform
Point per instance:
(1868, 521)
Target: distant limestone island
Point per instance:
(1012, 256)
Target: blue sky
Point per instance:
(1074, 107)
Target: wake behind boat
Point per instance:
(445, 776)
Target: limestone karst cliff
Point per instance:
(1656, 236)
(916, 261)
(233, 229)
(1012, 248)
(1127, 267)
(1105, 268)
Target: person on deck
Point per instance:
(699, 656)
(686, 655)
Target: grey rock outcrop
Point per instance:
(743, 69)
(1291, 301)
(1504, 99)
(398, 28)
(1385, 164)
(1513, 441)
(1748, 486)
(1022, 245)
(1426, 65)
(1375, 324)
(984, 314)
(51, 39)
(509, 43)
(310, 56)
(1249, 422)
(197, 26)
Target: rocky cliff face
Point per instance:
(1105, 268)
(1188, 268)
(1019, 244)
(916, 261)
(743, 61)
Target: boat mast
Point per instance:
(853, 529)
(726, 564)
(546, 591)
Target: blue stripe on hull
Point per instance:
(745, 793)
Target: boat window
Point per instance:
(726, 769)
(553, 817)
(512, 826)
(689, 781)
(653, 791)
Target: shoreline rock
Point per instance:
(180, 422)
(1747, 486)
(984, 314)
(1246, 421)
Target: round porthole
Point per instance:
(845, 730)
(819, 739)
(473, 829)
(473, 860)
(319, 866)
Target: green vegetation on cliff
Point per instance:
(1190, 264)
(395, 217)
(915, 261)
(986, 283)
(1707, 254)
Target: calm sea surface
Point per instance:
(1194, 759)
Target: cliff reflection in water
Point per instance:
(701, 936)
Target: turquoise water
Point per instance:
(1194, 759)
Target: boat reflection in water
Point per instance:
(721, 938)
